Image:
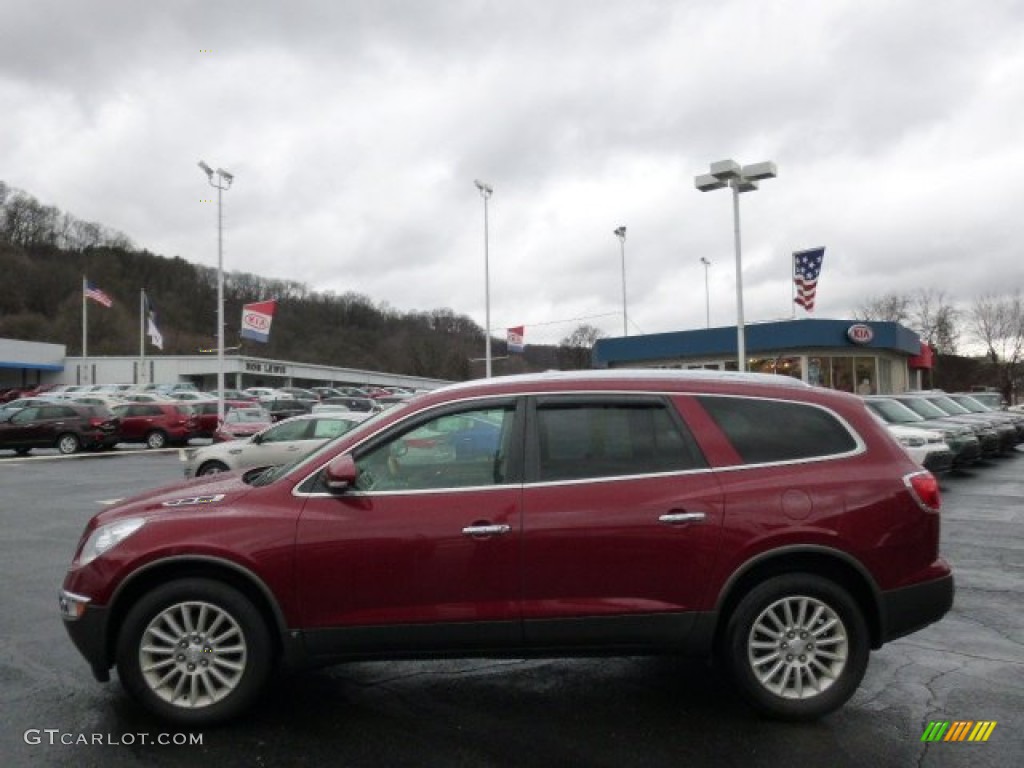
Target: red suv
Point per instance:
(775, 526)
(156, 424)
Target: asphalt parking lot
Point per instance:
(592, 712)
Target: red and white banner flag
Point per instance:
(515, 339)
(256, 320)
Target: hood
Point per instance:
(211, 491)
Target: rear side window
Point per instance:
(764, 431)
(594, 439)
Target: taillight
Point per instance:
(925, 489)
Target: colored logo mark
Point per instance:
(958, 730)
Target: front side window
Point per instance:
(455, 450)
(610, 439)
(763, 431)
(289, 430)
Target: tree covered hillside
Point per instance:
(45, 253)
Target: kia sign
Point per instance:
(256, 320)
(860, 333)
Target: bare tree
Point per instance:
(574, 349)
(892, 307)
(998, 323)
(935, 320)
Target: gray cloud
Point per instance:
(355, 130)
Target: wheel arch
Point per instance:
(832, 564)
(215, 569)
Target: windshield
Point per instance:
(894, 412)
(923, 408)
(969, 403)
(950, 407)
(364, 427)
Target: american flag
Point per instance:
(94, 293)
(806, 268)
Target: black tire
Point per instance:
(797, 646)
(22, 451)
(212, 468)
(68, 443)
(202, 676)
(156, 439)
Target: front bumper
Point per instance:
(86, 624)
(939, 462)
(910, 608)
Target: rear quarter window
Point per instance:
(764, 431)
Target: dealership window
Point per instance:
(865, 375)
(842, 374)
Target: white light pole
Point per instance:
(621, 234)
(707, 293)
(728, 173)
(485, 192)
(222, 183)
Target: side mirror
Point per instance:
(340, 473)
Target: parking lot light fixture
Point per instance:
(485, 192)
(221, 184)
(620, 233)
(729, 173)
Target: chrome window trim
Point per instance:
(860, 445)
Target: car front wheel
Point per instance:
(797, 646)
(156, 439)
(194, 651)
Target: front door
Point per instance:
(423, 554)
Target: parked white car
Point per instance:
(281, 443)
(925, 446)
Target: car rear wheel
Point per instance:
(68, 444)
(212, 468)
(797, 646)
(194, 651)
(156, 439)
(22, 451)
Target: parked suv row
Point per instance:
(776, 527)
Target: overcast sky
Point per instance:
(355, 131)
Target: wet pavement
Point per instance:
(591, 712)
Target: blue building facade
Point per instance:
(869, 357)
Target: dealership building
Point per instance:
(863, 357)
(27, 364)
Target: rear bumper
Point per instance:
(909, 609)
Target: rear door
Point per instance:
(621, 523)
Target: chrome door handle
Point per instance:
(679, 518)
(486, 530)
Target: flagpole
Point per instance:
(85, 325)
(142, 336)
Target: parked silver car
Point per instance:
(285, 441)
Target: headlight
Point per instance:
(107, 537)
(912, 442)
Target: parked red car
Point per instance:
(242, 422)
(156, 424)
(775, 524)
(67, 427)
